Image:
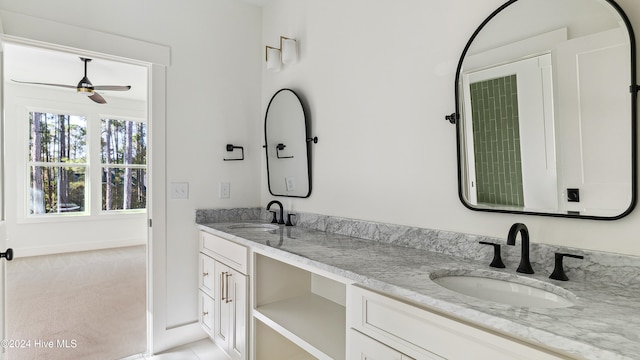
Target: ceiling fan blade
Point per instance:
(112, 87)
(97, 98)
(39, 83)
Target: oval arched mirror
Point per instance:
(546, 100)
(287, 146)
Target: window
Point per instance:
(85, 165)
(57, 163)
(124, 170)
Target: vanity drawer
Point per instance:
(427, 335)
(206, 307)
(225, 251)
(207, 275)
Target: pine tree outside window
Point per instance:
(124, 169)
(57, 163)
(59, 173)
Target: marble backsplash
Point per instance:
(596, 265)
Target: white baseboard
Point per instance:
(19, 252)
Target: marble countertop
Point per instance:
(604, 323)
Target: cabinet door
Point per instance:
(363, 347)
(207, 278)
(237, 303)
(222, 334)
(206, 312)
(231, 311)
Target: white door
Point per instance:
(8, 253)
(595, 132)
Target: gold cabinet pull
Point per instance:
(227, 281)
(222, 280)
(205, 274)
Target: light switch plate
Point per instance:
(225, 190)
(180, 190)
(290, 183)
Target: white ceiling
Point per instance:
(25, 63)
(31, 64)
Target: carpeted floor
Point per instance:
(85, 305)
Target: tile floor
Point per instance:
(203, 349)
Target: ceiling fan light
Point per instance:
(86, 91)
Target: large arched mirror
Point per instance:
(287, 146)
(546, 100)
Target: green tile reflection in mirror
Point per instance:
(494, 105)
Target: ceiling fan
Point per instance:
(85, 86)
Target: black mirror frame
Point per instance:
(633, 88)
(307, 131)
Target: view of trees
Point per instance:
(59, 163)
(124, 158)
(57, 157)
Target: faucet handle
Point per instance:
(497, 259)
(274, 220)
(289, 223)
(558, 269)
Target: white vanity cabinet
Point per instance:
(224, 293)
(230, 329)
(422, 334)
(206, 296)
(365, 348)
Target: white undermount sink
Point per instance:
(256, 226)
(507, 292)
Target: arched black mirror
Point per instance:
(287, 146)
(546, 101)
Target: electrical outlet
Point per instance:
(290, 183)
(179, 190)
(225, 190)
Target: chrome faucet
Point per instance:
(281, 221)
(525, 264)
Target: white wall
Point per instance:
(379, 76)
(213, 98)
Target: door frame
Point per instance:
(46, 34)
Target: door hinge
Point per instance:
(150, 223)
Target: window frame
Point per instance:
(93, 205)
(29, 164)
(102, 165)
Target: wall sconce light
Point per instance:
(289, 48)
(274, 62)
(286, 54)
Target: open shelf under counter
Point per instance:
(307, 310)
(271, 345)
(310, 321)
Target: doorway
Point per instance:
(79, 259)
